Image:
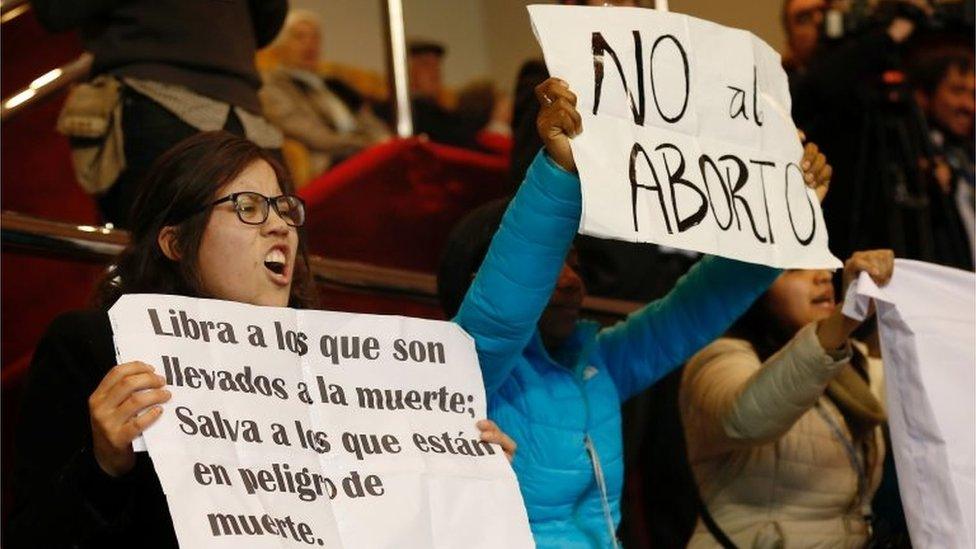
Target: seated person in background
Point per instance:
(215, 218)
(783, 416)
(482, 105)
(556, 383)
(431, 115)
(327, 116)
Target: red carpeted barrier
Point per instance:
(35, 163)
(394, 204)
(35, 167)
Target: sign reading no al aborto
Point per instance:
(687, 137)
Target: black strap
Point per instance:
(712, 526)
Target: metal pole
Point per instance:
(397, 66)
(11, 9)
(45, 85)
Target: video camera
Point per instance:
(850, 18)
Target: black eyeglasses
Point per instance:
(252, 208)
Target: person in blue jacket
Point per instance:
(555, 383)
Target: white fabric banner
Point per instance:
(927, 318)
(293, 428)
(687, 137)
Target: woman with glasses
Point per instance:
(214, 218)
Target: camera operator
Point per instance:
(850, 96)
(831, 45)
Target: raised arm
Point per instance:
(662, 335)
(519, 272)
(729, 399)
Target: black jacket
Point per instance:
(875, 138)
(207, 46)
(61, 496)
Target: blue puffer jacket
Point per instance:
(564, 411)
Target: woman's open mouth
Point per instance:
(277, 263)
(825, 300)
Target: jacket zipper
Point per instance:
(598, 477)
(577, 376)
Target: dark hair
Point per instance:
(526, 142)
(179, 182)
(759, 328)
(476, 101)
(931, 59)
(422, 46)
(466, 248)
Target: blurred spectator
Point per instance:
(430, 116)
(485, 106)
(425, 65)
(802, 20)
(851, 98)
(444, 123)
(325, 115)
(944, 85)
(162, 71)
(481, 105)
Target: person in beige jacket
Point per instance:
(782, 419)
(325, 115)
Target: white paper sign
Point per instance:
(927, 318)
(687, 137)
(296, 428)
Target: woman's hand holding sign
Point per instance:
(491, 433)
(117, 417)
(816, 170)
(879, 264)
(558, 121)
(834, 331)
